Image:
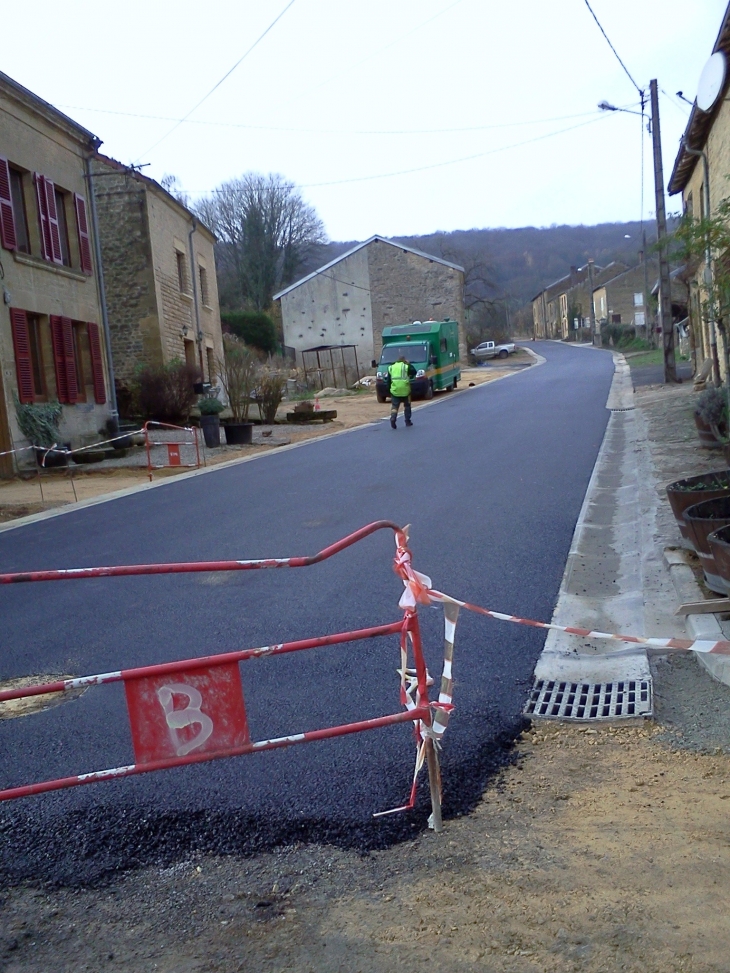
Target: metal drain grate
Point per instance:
(629, 409)
(554, 700)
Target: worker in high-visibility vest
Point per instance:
(400, 374)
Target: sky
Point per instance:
(395, 117)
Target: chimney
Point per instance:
(574, 276)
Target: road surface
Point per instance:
(491, 481)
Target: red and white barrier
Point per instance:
(170, 446)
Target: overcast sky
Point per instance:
(342, 91)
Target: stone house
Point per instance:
(700, 174)
(622, 299)
(554, 308)
(378, 283)
(159, 274)
(52, 343)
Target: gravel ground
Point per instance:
(598, 849)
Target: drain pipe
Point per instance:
(102, 297)
(708, 260)
(193, 275)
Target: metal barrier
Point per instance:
(179, 448)
(193, 710)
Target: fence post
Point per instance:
(434, 783)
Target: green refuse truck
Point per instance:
(432, 347)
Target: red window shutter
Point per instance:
(23, 363)
(7, 219)
(40, 193)
(55, 233)
(59, 358)
(97, 364)
(69, 352)
(83, 228)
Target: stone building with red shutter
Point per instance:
(51, 323)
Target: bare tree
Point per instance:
(265, 232)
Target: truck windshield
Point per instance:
(414, 352)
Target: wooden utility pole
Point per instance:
(665, 293)
(595, 334)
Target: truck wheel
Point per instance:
(380, 398)
(503, 353)
(429, 390)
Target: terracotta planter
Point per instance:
(708, 440)
(702, 519)
(694, 489)
(719, 541)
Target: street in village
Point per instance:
(566, 847)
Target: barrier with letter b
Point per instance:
(194, 710)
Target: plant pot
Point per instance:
(211, 426)
(708, 440)
(90, 456)
(238, 433)
(695, 489)
(52, 457)
(702, 519)
(719, 541)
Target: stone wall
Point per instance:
(405, 287)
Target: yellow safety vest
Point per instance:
(400, 384)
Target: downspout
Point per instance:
(198, 332)
(102, 296)
(708, 262)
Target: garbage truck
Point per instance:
(432, 347)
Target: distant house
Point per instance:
(700, 174)
(556, 308)
(621, 299)
(159, 272)
(51, 323)
(349, 301)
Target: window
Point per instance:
(204, 296)
(181, 278)
(62, 226)
(20, 217)
(83, 230)
(615, 319)
(97, 365)
(210, 355)
(64, 359)
(190, 352)
(638, 300)
(7, 219)
(48, 220)
(28, 355)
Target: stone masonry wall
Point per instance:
(128, 276)
(407, 287)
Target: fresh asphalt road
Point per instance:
(491, 480)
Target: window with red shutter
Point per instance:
(59, 358)
(69, 353)
(7, 219)
(55, 232)
(83, 228)
(23, 361)
(42, 200)
(97, 364)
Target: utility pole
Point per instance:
(595, 334)
(665, 302)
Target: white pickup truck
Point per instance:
(488, 349)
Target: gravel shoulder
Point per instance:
(598, 849)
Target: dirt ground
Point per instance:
(599, 849)
(57, 488)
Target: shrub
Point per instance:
(256, 328)
(39, 421)
(237, 374)
(712, 407)
(210, 406)
(165, 392)
(269, 392)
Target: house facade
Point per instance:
(555, 308)
(52, 342)
(159, 274)
(623, 298)
(378, 283)
(700, 174)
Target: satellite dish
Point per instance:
(711, 82)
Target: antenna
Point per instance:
(712, 81)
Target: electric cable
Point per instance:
(219, 83)
(612, 47)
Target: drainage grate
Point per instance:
(554, 700)
(629, 409)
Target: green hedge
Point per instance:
(254, 327)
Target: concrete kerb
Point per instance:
(129, 491)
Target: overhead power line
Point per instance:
(628, 74)
(219, 83)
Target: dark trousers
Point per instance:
(395, 404)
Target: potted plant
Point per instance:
(237, 375)
(38, 421)
(694, 489)
(711, 417)
(702, 519)
(210, 409)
